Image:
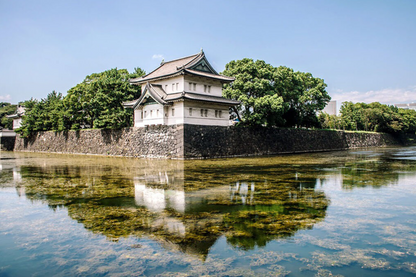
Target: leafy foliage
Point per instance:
(97, 101)
(43, 115)
(6, 109)
(274, 96)
(94, 103)
(373, 117)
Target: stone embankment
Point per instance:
(195, 141)
(152, 141)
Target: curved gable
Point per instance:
(203, 65)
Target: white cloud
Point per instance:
(157, 57)
(5, 98)
(384, 96)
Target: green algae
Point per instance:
(287, 197)
(278, 209)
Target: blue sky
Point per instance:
(364, 50)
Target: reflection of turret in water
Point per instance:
(182, 206)
(17, 175)
(156, 199)
(240, 192)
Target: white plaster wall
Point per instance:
(210, 119)
(216, 86)
(167, 84)
(164, 117)
(182, 114)
(138, 120)
(153, 114)
(17, 123)
(179, 112)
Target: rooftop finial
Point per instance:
(202, 51)
(162, 62)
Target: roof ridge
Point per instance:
(155, 91)
(162, 64)
(187, 57)
(197, 56)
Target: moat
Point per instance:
(324, 214)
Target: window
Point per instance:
(202, 112)
(151, 113)
(157, 113)
(145, 114)
(209, 89)
(205, 88)
(192, 86)
(166, 88)
(141, 115)
(173, 87)
(173, 112)
(177, 86)
(206, 113)
(218, 113)
(190, 111)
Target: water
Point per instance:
(327, 214)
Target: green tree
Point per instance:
(97, 101)
(274, 96)
(43, 115)
(30, 119)
(6, 109)
(350, 116)
(377, 117)
(254, 87)
(328, 121)
(407, 121)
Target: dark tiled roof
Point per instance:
(19, 113)
(157, 92)
(200, 97)
(129, 104)
(181, 66)
(209, 75)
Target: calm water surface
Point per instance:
(340, 213)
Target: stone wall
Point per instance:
(195, 141)
(213, 141)
(151, 141)
(7, 143)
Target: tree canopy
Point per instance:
(94, 103)
(274, 96)
(97, 101)
(373, 117)
(6, 109)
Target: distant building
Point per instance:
(408, 106)
(183, 91)
(331, 108)
(17, 117)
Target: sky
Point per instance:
(364, 50)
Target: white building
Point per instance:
(17, 117)
(331, 108)
(408, 106)
(183, 91)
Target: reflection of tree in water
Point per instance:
(160, 204)
(368, 174)
(187, 205)
(383, 170)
